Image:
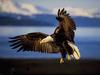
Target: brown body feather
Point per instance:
(66, 25)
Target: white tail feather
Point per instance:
(76, 53)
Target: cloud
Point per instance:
(20, 8)
(7, 6)
(30, 9)
(81, 12)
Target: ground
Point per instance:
(48, 66)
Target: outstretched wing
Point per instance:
(31, 42)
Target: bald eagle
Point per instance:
(61, 41)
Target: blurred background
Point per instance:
(25, 16)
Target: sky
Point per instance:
(64, 3)
(75, 7)
(87, 8)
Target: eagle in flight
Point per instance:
(61, 41)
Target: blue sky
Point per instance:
(65, 3)
(87, 8)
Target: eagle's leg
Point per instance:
(62, 61)
(63, 53)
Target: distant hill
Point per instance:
(11, 19)
(87, 22)
(8, 19)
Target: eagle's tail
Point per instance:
(76, 53)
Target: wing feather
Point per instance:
(21, 48)
(16, 46)
(31, 42)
